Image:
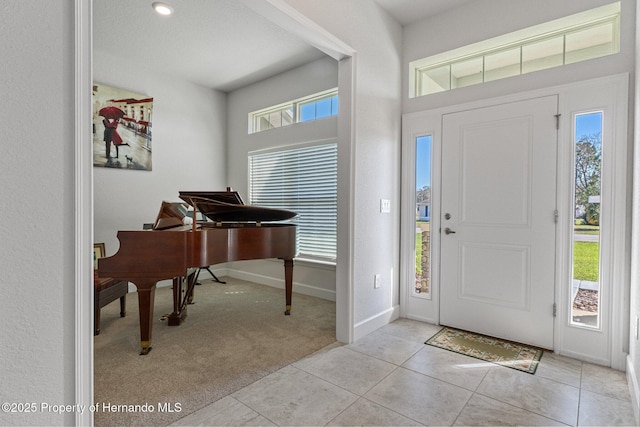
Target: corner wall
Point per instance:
(633, 360)
(375, 149)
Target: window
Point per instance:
(585, 290)
(423, 216)
(274, 118)
(313, 107)
(318, 107)
(587, 35)
(304, 180)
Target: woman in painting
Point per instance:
(111, 135)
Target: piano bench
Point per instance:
(107, 290)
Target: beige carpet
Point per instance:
(234, 334)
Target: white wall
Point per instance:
(37, 208)
(311, 78)
(633, 361)
(189, 148)
(377, 39)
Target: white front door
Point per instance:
(498, 220)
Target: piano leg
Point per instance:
(288, 283)
(146, 296)
(182, 297)
(176, 317)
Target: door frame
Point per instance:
(568, 340)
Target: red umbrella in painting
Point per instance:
(111, 112)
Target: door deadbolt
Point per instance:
(447, 216)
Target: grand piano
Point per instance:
(180, 243)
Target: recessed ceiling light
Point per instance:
(162, 8)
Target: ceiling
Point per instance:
(222, 44)
(410, 11)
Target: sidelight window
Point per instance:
(586, 292)
(423, 216)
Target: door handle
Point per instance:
(448, 231)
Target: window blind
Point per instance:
(303, 180)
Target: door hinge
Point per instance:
(555, 216)
(555, 310)
(557, 116)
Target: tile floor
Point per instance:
(391, 378)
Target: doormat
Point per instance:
(505, 353)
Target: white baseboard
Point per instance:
(375, 322)
(584, 357)
(423, 319)
(301, 288)
(634, 389)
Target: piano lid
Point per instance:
(229, 196)
(225, 206)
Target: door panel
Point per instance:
(481, 202)
(510, 283)
(498, 203)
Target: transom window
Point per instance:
(576, 38)
(313, 107)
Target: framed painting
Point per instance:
(98, 252)
(122, 125)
